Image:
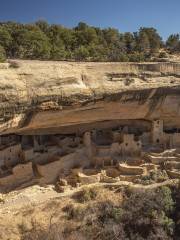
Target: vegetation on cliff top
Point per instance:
(43, 41)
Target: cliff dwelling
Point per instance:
(108, 132)
(122, 149)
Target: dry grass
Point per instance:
(68, 212)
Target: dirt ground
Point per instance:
(19, 209)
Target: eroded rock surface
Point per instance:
(63, 115)
(91, 88)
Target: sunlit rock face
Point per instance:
(49, 96)
(59, 116)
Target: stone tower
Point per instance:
(157, 132)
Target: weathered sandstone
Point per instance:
(60, 116)
(85, 93)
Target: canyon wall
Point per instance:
(42, 97)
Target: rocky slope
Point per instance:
(42, 96)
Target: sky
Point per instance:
(125, 15)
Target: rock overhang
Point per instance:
(46, 95)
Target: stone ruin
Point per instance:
(81, 123)
(122, 152)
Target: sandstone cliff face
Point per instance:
(42, 96)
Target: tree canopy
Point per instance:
(173, 43)
(44, 41)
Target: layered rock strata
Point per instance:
(63, 115)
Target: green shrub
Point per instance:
(163, 55)
(86, 194)
(136, 57)
(74, 212)
(2, 54)
(143, 215)
(45, 41)
(148, 211)
(156, 176)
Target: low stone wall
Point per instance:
(107, 179)
(173, 164)
(84, 179)
(23, 172)
(10, 156)
(90, 171)
(159, 159)
(20, 174)
(112, 172)
(7, 181)
(49, 172)
(130, 170)
(101, 161)
(149, 166)
(173, 174)
(129, 178)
